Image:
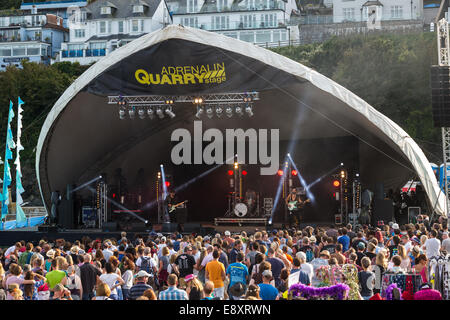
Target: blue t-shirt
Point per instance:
(267, 291)
(345, 241)
(237, 272)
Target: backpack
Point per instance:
(309, 255)
(145, 265)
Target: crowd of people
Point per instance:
(257, 266)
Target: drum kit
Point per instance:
(241, 208)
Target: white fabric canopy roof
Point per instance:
(389, 131)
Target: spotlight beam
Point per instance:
(323, 176)
(279, 189)
(120, 206)
(86, 184)
(302, 180)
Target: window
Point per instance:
(3, 22)
(80, 33)
(44, 51)
(106, 10)
(191, 22)
(135, 25)
(33, 51)
(138, 9)
(19, 51)
(5, 52)
(248, 21)
(17, 20)
(396, 12)
(349, 14)
(121, 27)
(102, 27)
(192, 6)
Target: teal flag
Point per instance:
(8, 156)
(21, 218)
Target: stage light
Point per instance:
(167, 184)
(294, 172)
(230, 172)
(244, 173)
(150, 113)
(170, 112)
(219, 111)
(229, 111)
(122, 114)
(239, 111)
(249, 111)
(236, 165)
(113, 195)
(336, 183)
(199, 112)
(169, 101)
(280, 172)
(209, 112)
(198, 100)
(342, 174)
(132, 113)
(141, 114)
(160, 113)
(342, 164)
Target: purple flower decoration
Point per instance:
(337, 292)
(389, 291)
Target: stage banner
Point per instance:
(177, 67)
(21, 218)
(8, 156)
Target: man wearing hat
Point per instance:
(141, 285)
(360, 253)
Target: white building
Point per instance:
(105, 25)
(375, 11)
(255, 21)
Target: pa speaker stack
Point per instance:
(440, 95)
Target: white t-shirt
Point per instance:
(10, 250)
(107, 254)
(110, 279)
(206, 259)
(128, 279)
(432, 246)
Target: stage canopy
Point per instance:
(83, 135)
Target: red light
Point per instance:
(230, 172)
(336, 183)
(167, 184)
(114, 195)
(280, 172)
(244, 173)
(294, 172)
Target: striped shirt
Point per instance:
(138, 290)
(173, 294)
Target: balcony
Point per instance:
(95, 52)
(235, 25)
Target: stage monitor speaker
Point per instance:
(65, 214)
(383, 210)
(192, 228)
(109, 226)
(440, 95)
(169, 227)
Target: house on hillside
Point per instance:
(105, 25)
(262, 22)
(31, 37)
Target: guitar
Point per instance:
(293, 205)
(173, 207)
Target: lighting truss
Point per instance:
(220, 98)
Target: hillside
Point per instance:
(391, 72)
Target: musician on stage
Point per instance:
(170, 201)
(294, 201)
